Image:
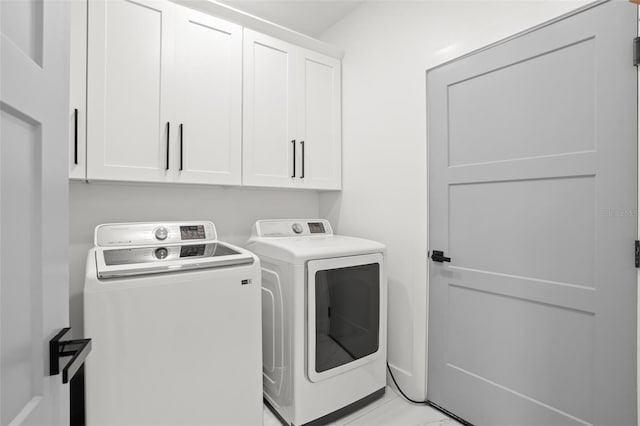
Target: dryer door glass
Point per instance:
(347, 306)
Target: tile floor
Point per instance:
(390, 410)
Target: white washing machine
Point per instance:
(324, 321)
(174, 315)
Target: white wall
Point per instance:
(233, 210)
(389, 45)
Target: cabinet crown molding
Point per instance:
(252, 22)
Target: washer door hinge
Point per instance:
(637, 254)
(636, 51)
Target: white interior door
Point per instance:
(209, 89)
(269, 143)
(532, 195)
(130, 63)
(34, 296)
(320, 139)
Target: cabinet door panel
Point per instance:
(209, 64)
(78, 90)
(129, 68)
(269, 126)
(319, 123)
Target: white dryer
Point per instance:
(174, 315)
(324, 321)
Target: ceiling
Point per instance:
(310, 17)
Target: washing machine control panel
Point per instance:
(292, 228)
(136, 234)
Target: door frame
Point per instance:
(638, 237)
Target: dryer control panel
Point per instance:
(140, 234)
(292, 228)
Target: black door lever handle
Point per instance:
(74, 353)
(438, 256)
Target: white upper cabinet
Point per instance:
(319, 129)
(291, 129)
(129, 90)
(165, 93)
(78, 90)
(269, 111)
(209, 99)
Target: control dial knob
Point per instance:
(297, 228)
(161, 253)
(161, 233)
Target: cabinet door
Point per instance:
(209, 92)
(78, 89)
(268, 112)
(319, 121)
(129, 73)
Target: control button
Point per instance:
(161, 233)
(297, 228)
(161, 253)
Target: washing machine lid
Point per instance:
(131, 261)
(128, 249)
(299, 240)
